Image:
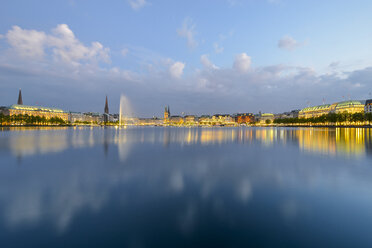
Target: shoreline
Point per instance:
(201, 126)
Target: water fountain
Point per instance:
(125, 111)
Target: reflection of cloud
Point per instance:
(176, 181)
(244, 190)
(187, 219)
(289, 209)
(56, 197)
(224, 170)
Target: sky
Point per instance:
(198, 57)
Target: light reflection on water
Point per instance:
(328, 141)
(186, 187)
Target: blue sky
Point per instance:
(221, 56)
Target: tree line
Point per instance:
(29, 120)
(328, 118)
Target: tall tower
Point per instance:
(106, 114)
(166, 114)
(20, 101)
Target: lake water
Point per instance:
(186, 187)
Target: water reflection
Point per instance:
(173, 183)
(325, 141)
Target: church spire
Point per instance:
(20, 101)
(106, 107)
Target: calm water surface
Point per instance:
(186, 187)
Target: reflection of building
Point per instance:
(368, 106)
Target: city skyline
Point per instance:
(193, 60)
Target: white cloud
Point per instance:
(188, 31)
(124, 52)
(63, 43)
(288, 43)
(206, 62)
(242, 62)
(176, 69)
(137, 4)
(218, 48)
(27, 43)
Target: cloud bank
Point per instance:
(56, 69)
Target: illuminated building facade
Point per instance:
(315, 111)
(92, 117)
(166, 114)
(150, 121)
(245, 118)
(266, 116)
(190, 120)
(223, 119)
(368, 106)
(350, 107)
(175, 120)
(36, 111)
(205, 120)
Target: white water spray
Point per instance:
(125, 111)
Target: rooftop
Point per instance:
(350, 103)
(315, 108)
(35, 108)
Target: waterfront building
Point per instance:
(20, 109)
(46, 112)
(316, 111)
(92, 117)
(205, 120)
(166, 114)
(114, 117)
(150, 121)
(75, 117)
(190, 120)
(351, 107)
(222, 119)
(244, 118)
(368, 106)
(176, 120)
(285, 115)
(266, 116)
